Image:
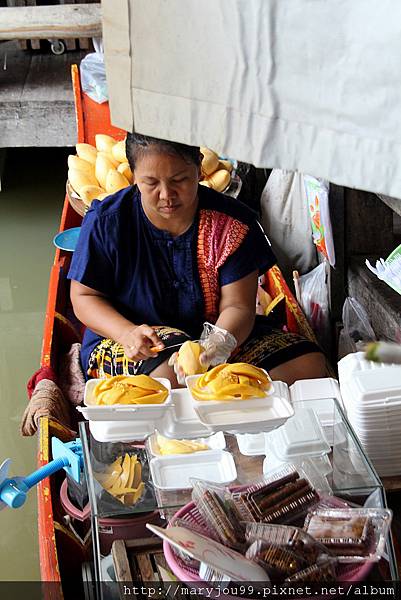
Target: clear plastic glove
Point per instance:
(218, 344)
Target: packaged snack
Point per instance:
(352, 534)
(278, 561)
(216, 507)
(281, 499)
(322, 571)
(289, 536)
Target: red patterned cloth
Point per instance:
(219, 236)
(42, 373)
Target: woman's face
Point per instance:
(169, 188)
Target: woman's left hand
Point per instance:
(218, 344)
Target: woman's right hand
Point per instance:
(138, 340)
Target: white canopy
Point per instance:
(304, 85)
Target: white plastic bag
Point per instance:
(357, 330)
(93, 77)
(313, 296)
(285, 219)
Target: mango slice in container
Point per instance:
(169, 446)
(123, 479)
(232, 381)
(135, 389)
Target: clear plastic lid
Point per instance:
(282, 498)
(352, 534)
(292, 537)
(220, 513)
(278, 561)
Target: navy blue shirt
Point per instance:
(149, 275)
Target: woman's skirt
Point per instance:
(266, 347)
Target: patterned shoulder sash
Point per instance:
(219, 236)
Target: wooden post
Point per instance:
(64, 21)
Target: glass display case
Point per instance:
(317, 439)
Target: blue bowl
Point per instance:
(67, 240)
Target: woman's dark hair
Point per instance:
(136, 145)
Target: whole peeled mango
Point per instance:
(188, 358)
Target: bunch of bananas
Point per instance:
(123, 479)
(236, 381)
(132, 389)
(97, 172)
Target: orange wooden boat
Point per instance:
(61, 555)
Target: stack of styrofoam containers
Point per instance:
(372, 399)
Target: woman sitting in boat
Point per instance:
(158, 260)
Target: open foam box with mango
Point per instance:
(184, 435)
(180, 417)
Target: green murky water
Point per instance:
(30, 208)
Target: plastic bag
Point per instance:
(285, 219)
(313, 296)
(357, 329)
(317, 193)
(93, 77)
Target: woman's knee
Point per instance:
(164, 370)
(308, 366)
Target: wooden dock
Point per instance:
(36, 98)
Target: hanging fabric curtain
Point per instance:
(303, 85)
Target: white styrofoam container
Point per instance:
(373, 388)
(174, 472)
(182, 421)
(216, 441)
(315, 389)
(353, 363)
(251, 444)
(242, 416)
(123, 412)
(258, 416)
(321, 391)
(192, 379)
(121, 431)
(300, 436)
(271, 464)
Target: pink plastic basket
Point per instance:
(190, 514)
